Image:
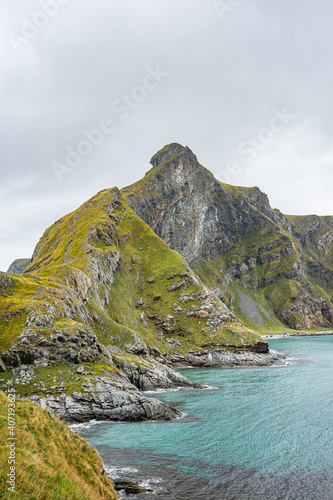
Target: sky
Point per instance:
(89, 91)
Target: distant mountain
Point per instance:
(19, 265)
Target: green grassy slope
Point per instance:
(103, 271)
(51, 463)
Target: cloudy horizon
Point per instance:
(90, 91)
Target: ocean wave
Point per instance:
(163, 391)
(87, 425)
(114, 471)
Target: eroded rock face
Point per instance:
(187, 207)
(42, 340)
(153, 375)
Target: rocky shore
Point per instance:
(118, 395)
(112, 395)
(300, 334)
(225, 358)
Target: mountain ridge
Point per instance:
(177, 269)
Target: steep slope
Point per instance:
(274, 270)
(316, 237)
(48, 460)
(103, 301)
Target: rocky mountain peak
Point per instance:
(171, 152)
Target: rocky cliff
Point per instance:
(104, 306)
(272, 270)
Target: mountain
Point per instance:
(274, 271)
(175, 270)
(102, 310)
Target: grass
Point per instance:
(52, 463)
(101, 231)
(59, 378)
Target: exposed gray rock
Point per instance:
(106, 398)
(188, 208)
(224, 358)
(149, 376)
(23, 375)
(252, 310)
(203, 219)
(130, 487)
(19, 265)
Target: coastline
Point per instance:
(223, 358)
(163, 477)
(301, 334)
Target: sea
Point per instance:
(254, 433)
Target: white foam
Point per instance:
(152, 483)
(115, 470)
(87, 425)
(162, 391)
(182, 415)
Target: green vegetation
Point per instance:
(51, 463)
(59, 378)
(128, 278)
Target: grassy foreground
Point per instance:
(51, 462)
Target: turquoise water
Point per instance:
(267, 434)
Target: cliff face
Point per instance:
(237, 243)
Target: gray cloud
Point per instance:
(225, 79)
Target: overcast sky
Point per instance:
(90, 90)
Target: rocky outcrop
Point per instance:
(115, 394)
(130, 487)
(308, 311)
(49, 332)
(149, 376)
(105, 398)
(214, 358)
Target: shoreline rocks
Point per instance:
(130, 487)
(106, 398)
(300, 334)
(118, 396)
(208, 358)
